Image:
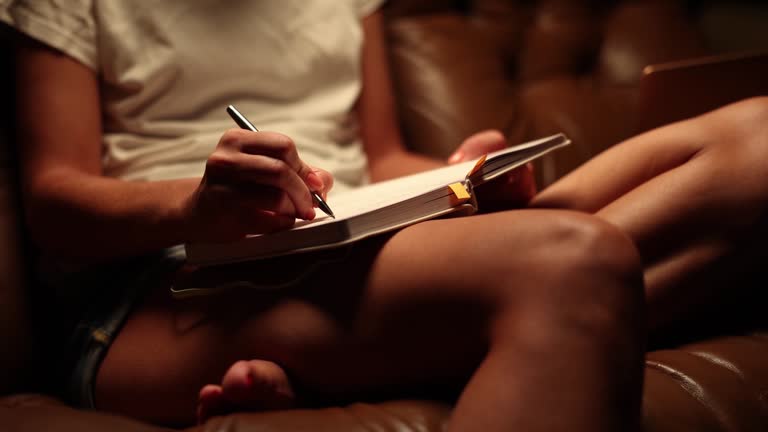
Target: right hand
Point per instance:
(254, 182)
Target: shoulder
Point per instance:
(68, 26)
(366, 7)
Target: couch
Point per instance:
(530, 68)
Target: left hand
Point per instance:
(514, 189)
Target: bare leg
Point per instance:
(692, 195)
(531, 309)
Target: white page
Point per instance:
(377, 195)
(371, 197)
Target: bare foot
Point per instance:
(247, 386)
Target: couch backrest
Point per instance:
(533, 68)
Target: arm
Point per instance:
(387, 155)
(70, 207)
(74, 211)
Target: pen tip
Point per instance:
(323, 205)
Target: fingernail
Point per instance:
(456, 157)
(314, 181)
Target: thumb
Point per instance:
(478, 144)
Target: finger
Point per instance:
(527, 182)
(512, 190)
(326, 181)
(266, 143)
(261, 222)
(265, 198)
(240, 170)
(277, 146)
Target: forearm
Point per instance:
(83, 216)
(398, 163)
(387, 155)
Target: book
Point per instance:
(380, 207)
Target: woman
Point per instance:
(544, 299)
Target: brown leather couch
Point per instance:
(530, 68)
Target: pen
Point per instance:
(245, 124)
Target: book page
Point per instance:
(375, 196)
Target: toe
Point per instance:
(210, 402)
(257, 384)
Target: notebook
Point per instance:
(380, 207)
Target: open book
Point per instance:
(380, 207)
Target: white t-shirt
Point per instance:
(168, 69)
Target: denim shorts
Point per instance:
(115, 290)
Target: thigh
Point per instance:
(411, 309)
(693, 196)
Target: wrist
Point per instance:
(179, 213)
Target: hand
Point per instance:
(254, 182)
(514, 189)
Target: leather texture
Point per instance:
(529, 68)
(534, 68)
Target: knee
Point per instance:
(588, 273)
(587, 243)
(580, 244)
